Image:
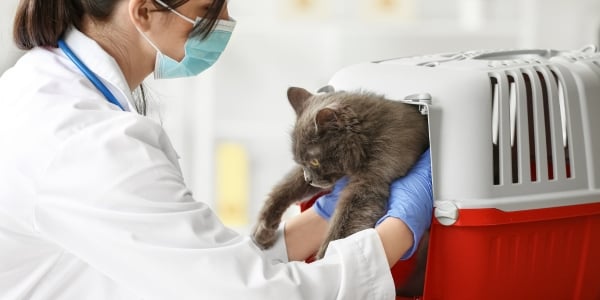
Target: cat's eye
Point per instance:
(314, 163)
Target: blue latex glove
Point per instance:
(411, 200)
(325, 205)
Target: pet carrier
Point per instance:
(515, 145)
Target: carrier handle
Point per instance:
(531, 53)
(518, 54)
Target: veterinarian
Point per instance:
(92, 200)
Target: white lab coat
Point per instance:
(93, 205)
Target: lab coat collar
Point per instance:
(102, 64)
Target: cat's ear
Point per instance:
(298, 98)
(326, 117)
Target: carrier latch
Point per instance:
(421, 99)
(446, 212)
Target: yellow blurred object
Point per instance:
(388, 10)
(305, 9)
(232, 184)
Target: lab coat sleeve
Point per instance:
(278, 252)
(114, 196)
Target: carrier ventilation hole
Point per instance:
(564, 123)
(547, 129)
(514, 154)
(532, 102)
(530, 126)
(495, 131)
(514, 150)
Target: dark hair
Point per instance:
(41, 23)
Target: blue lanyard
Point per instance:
(89, 74)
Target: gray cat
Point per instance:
(364, 136)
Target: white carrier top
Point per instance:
(509, 129)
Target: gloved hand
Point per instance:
(325, 205)
(411, 200)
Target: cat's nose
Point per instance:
(307, 177)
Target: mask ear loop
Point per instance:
(148, 40)
(175, 12)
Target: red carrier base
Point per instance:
(551, 253)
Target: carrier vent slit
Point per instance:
(514, 141)
(564, 123)
(547, 122)
(495, 131)
(531, 126)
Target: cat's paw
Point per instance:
(263, 236)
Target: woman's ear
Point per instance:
(140, 12)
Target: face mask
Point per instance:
(200, 53)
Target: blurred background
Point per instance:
(231, 124)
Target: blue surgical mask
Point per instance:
(200, 53)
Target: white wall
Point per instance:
(8, 51)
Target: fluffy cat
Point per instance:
(364, 136)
